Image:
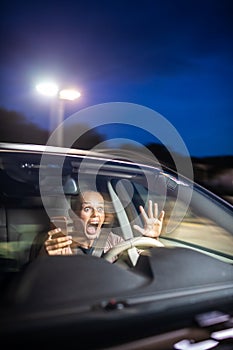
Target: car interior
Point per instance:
(23, 215)
(158, 283)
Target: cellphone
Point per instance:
(59, 222)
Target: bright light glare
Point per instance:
(48, 89)
(69, 94)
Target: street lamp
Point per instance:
(57, 108)
(69, 94)
(47, 89)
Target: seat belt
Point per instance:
(124, 223)
(100, 242)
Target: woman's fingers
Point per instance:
(142, 210)
(155, 210)
(152, 212)
(150, 209)
(58, 243)
(139, 229)
(152, 222)
(161, 215)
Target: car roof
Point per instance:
(124, 156)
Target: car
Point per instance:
(172, 293)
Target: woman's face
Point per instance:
(92, 213)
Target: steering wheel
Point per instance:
(141, 241)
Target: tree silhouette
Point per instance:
(16, 128)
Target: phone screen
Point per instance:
(59, 222)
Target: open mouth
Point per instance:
(92, 228)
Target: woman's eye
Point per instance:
(86, 209)
(100, 210)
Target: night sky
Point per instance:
(173, 56)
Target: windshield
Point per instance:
(36, 188)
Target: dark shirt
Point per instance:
(87, 251)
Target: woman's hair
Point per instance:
(76, 202)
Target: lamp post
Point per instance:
(57, 107)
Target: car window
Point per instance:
(187, 225)
(33, 189)
(200, 231)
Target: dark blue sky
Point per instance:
(173, 56)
